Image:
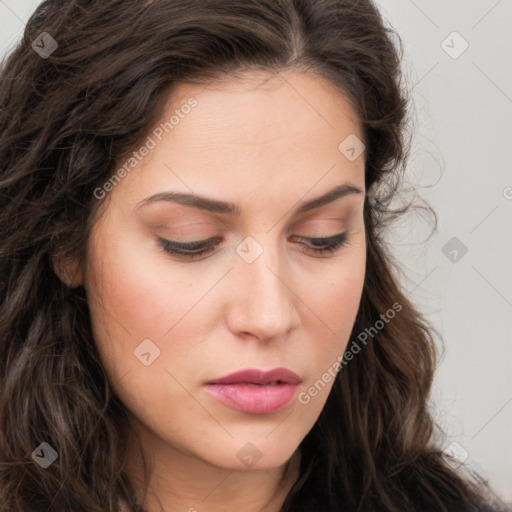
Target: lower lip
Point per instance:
(253, 398)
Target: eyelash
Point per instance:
(328, 245)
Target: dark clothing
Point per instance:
(313, 505)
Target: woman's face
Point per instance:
(263, 297)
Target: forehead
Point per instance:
(277, 130)
(254, 107)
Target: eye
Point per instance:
(192, 250)
(323, 246)
(188, 250)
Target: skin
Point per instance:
(265, 146)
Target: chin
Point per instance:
(253, 455)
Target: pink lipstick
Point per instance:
(255, 391)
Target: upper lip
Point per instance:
(254, 376)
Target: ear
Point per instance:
(68, 270)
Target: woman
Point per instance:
(198, 309)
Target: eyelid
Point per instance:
(189, 249)
(189, 246)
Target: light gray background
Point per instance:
(461, 162)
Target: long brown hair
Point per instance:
(67, 118)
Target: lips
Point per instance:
(255, 391)
(253, 376)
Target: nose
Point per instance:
(263, 299)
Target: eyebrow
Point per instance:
(216, 206)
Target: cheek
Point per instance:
(133, 277)
(132, 298)
(344, 296)
(336, 304)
